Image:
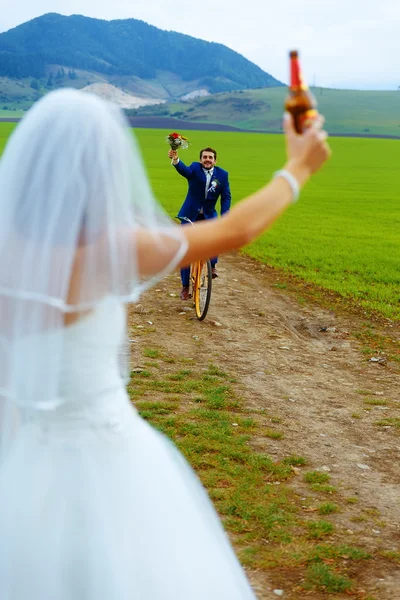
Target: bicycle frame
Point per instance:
(201, 283)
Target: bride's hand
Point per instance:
(306, 152)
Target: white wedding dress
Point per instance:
(97, 505)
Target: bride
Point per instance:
(94, 503)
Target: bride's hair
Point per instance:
(71, 178)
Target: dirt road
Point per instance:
(306, 365)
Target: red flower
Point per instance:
(177, 141)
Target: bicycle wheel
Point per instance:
(202, 289)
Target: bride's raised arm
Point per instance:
(306, 154)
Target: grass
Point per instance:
(11, 114)
(328, 508)
(375, 402)
(321, 577)
(201, 411)
(316, 477)
(342, 238)
(391, 422)
(346, 111)
(150, 353)
(320, 529)
(5, 131)
(19, 96)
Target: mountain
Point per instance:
(130, 54)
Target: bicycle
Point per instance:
(200, 283)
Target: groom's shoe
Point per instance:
(214, 273)
(185, 293)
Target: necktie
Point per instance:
(208, 179)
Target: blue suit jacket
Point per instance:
(195, 199)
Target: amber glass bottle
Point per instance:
(300, 102)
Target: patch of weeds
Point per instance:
(180, 375)
(359, 519)
(169, 360)
(140, 374)
(163, 386)
(276, 420)
(295, 461)
(248, 556)
(316, 477)
(162, 426)
(353, 553)
(393, 555)
(192, 385)
(273, 435)
(155, 408)
(186, 360)
(351, 500)
(152, 364)
(274, 471)
(212, 370)
(328, 508)
(372, 512)
(215, 399)
(392, 422)
(320, 529)
(150, 353)
(320, 577)
(375, 402)
(325, 552)
(247, 423)
(210, 378)
(356, 416)
(364, 392)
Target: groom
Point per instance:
(206, 183)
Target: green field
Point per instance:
(342, 236)
(11, 114)
(358, 112)
(15, 95)
(346, 111)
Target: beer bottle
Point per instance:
(300, 102)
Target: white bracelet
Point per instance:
(292, 181)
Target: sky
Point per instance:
(342, 43)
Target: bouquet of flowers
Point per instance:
(177, 141)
